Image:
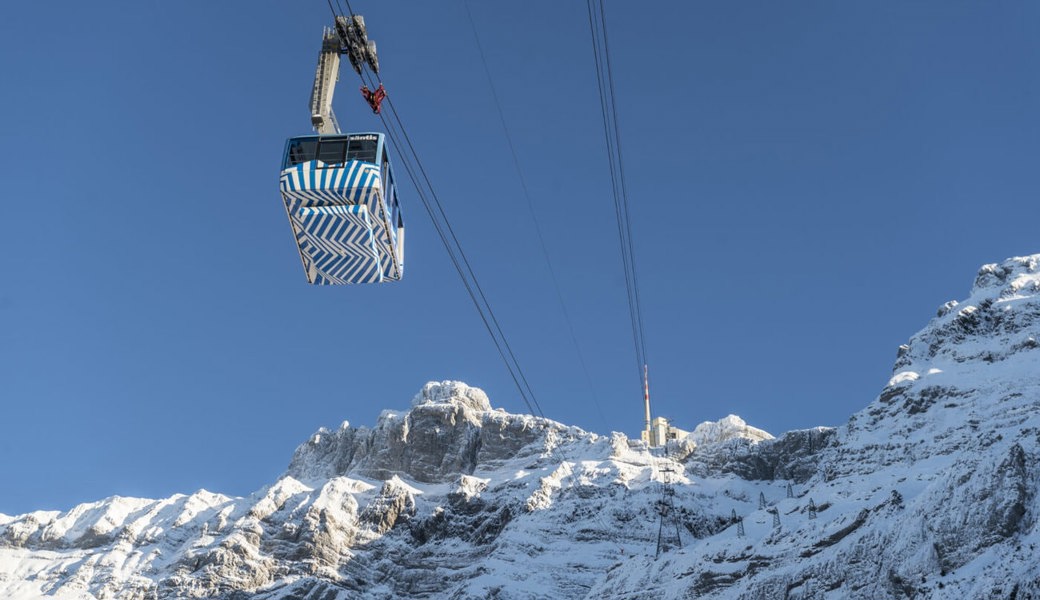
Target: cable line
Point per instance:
(534, 215)
(409, 157)
(472, 283)
(619, 186)
(398, 135)
(624, 184)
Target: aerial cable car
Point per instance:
(339, 189)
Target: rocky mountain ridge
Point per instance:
(929, 492)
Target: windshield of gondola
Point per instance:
(302, 151)
(363, 147)
(333, 151)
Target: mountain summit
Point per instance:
(929, 492)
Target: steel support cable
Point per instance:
(612, 138)
(619, 215)
(616, 169)
(615, 189)
(465, 260)
(534, 215)
(517, 376)
(556, 453)
(350, 10)
(484, 310)
(624, 183)
(454, 248)
(442, 224)
(559, 454)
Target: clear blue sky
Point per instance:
(809, 180)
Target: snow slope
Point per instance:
(929, 492)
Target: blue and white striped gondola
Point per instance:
(341, 201)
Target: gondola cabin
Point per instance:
(341, 199)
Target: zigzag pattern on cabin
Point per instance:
(340, 223)
(339, 242)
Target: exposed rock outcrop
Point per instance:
(450, 430)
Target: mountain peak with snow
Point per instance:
(986, 343)
(726, 428)
(449, 430)
(929, 492)
(452, 392)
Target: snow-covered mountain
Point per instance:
(929, 492)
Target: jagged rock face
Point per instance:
(973, 339)
(930, 492)
(935, 482)
(794, 456)
(450, 430)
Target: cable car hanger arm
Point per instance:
(348, 37)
